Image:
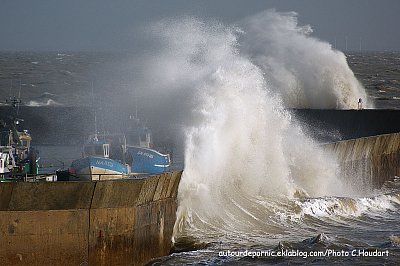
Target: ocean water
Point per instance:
(254, 183)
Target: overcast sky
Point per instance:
(104, 25)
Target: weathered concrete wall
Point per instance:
(118, 222)
(369, 161)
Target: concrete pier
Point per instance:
(368, 161)
(113, 222)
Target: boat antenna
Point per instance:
(19, 97)
(14, 102)
(11, 89)
(95, 115)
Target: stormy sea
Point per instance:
(256, 189)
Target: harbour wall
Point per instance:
(370, 161)
(113, 222)
(70, 125)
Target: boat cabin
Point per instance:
(4, 162)
(106, 146)
(140, 136)
(101, 150)
(19, 143)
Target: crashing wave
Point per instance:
(48, 102)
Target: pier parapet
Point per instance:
(111, 222)
(368, 161)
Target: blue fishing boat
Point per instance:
(103, 157)
(142, 158)
(96, 163)
(108, 156)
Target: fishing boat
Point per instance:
(144, 159)
(103, 157)
(17, 159)
(109, 156)
(96, 163)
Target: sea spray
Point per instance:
(305, 71)
(245, 155)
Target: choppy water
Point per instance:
(340, 228)
(253, 180)
(53, 78)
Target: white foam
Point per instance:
(332, 206)
(49, 102)
(241, 146)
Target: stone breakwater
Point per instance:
(113, 222)
(368, 161)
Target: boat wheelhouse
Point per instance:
(139, 147)
(97, 163)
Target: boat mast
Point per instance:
(95, 115)
(15, 103)
(19, 97)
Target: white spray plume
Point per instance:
(305, 71)
(242, 147)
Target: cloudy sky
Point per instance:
(105, 25)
